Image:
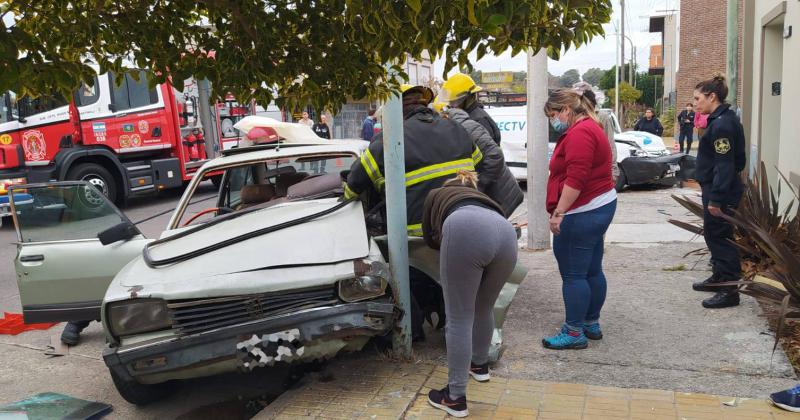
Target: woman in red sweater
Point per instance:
(581, 201)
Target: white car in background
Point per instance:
(642, 157)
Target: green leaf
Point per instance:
(498, 20)
(471, 13)
(415, 5)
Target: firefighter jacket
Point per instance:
(494, 177)
(476, 113)
(435, 150)
(720, 155)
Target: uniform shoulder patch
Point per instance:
(722, 146)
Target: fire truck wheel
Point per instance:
(97, 176)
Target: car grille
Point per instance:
(191, 316)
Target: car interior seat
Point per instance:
(252, 195)
(285, 180)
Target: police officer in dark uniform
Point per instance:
(436, 149)
(720, 161)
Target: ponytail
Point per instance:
(464, 178)
(716, 85)
(580, 104)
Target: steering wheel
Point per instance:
(219, 210)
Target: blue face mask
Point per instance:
(558, 125)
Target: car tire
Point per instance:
(622, 180)
(141, 394)
(96, 175)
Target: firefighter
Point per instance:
(72, 332)
(435, 150)
(460, 91)
(720, 161)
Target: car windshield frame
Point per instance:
(180, 212)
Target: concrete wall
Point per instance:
(773, 129)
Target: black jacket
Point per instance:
(322, 130)
(429, 140)
(721, 156)
(476, 113)
(494, 177)
(649, 126)
(686, 120)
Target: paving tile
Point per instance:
(559, 416)
(519, 402)
(565, 389)
(603, 417)
(507, 413)
(605, 403)
(759, 405)
(653, 417)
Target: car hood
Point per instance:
(304, 249)
(646, 141)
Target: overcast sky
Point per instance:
(601, 51)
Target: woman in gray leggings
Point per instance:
(478, 253)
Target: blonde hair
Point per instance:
(576, 102)
(464, 178)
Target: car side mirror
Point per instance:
(120, 232)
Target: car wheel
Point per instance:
(622, 180)
(99, 177)
(141, 394)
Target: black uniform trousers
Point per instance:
(718, 234)
(686, 135)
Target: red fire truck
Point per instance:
(127, 139)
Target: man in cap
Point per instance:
(435, 150)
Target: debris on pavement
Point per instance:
(50, 405)
(13, 324)
(56, 347)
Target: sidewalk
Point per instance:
(380, 389)
(663, 355)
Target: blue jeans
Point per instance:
(579, 252)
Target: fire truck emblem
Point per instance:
(124, 141)
(5, 139)
(143, 127)
(136, 141)
(34, 145)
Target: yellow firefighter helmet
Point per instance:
(457, 86)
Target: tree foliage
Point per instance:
(627, 94)
(607, 81)
(569, 78)
(593, 76)
(302, 52)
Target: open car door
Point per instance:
(63, 270)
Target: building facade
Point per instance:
(769, 111)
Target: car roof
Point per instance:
(277, 151)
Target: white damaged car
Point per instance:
(277, 268)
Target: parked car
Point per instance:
(277, 269)
(641, 157)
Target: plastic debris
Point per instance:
(13, 324)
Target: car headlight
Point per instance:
(370, 281)
(136, 316)
(638, 153)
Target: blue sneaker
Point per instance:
(788, 400)
(592, 331)
(566, 340)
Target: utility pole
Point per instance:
(733, 52)
(622, 29)
(394, 165)
(204, 111)
(537, 135)
(616, 84)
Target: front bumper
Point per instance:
(652, 170)
(321, 332)
(5, 205)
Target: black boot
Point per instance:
(722, 299)
(72, 332)
(704, 286)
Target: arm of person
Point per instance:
(638, 125)
(724, 170)
(659, 127)
(487, 155)
(366, 172)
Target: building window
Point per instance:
(425, 75)
(412, 74)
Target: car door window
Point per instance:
(132, 93)
(70, 211)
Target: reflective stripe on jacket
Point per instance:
(435, 150)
